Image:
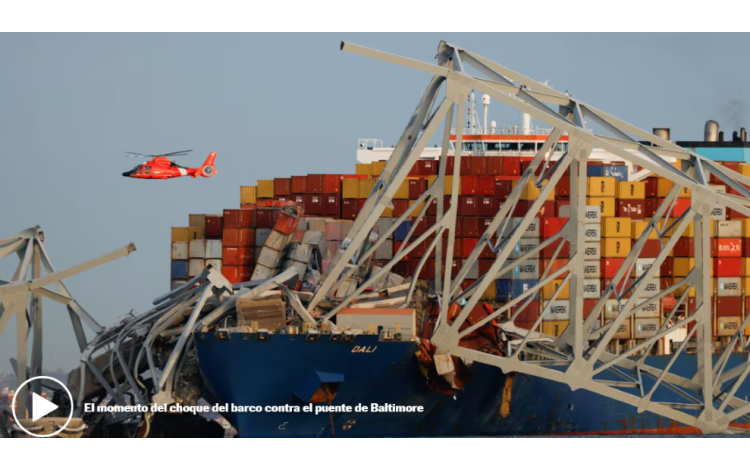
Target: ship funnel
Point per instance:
(662, 132)
(711, 133)
(743, 134)
(721, 136)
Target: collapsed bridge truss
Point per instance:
(579, 357)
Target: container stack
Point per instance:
(618, 211)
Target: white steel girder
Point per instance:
(580, 356)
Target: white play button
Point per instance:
(41, 406)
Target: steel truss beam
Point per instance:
(580, 357)
(22, 297)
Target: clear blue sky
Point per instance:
(270, 105)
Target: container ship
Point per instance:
(385, 363)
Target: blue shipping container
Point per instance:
(179, 269)
(519, 287)
(620, 172)
(402, 231)
(595, 170)
(503, 291)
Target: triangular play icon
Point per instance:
(41, 407)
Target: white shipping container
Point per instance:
(215, 263)
(651, 288)
(302, 223)
(592, 214)
(592, 288)
(262, 272)
(527, 270)
(557, 310)
(269, 258)
(729, 286)
(612, 308)
(317, 224)
(276, 241)
(197, 220)
(195, 267)
(643, 264)
(649, 310)
(333, 247)
(333, 230)
(213, 249)
(592, 233)
(382, 225)
(646, 327)
(592, 251)
(261, 234)
(526, 245)
(198, 249)
(175, 284)
(384, 251)
(729, 228)
(473, 272)
(299, 252)
(180, 250)
(592, 269)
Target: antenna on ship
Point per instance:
(486, 103)
(472, 115)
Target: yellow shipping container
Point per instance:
(663, 186)
(365, 187)
(350, 188)
(746, 287)
(403, 190)
(690, 230)
(387, 212)
(248, 194)
(746, 269)
(615, 247)
(265, 189)
(614, 227)
(431, 179)
(602, 186)
(378, 167)
(682, 266)
(364, 169)
(549, 290)
(186, 234)
(532, 193)
(745, 169)
(637, 228)
(417, 209)
(490, 293)
(606, 204)
(684, 192)
(678, 292)
(745, 228)
(631, 190)
(554, 328)
(448, 189)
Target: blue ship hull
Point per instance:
(245, 371)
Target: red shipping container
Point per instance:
(237, 274)
(266, 217)
(315, 184)
(282, 187)
(746, 247)
(503, 187)
(214, 227)
(486, 253)
(651, 249)
(728, 307)
(727, 267)
(238, 237)
(449, 165)
(529, 314)
(552, 225)
(734, 166)
(423, 225)
(287, 224)
(432, 209)
(239, 218)
(301, 200)
(399, 207)
(428, 270)
(609, 266)
(681, 205)
(479, 166)
(486, 206)
(402, 268)
(313, 203)
(563, 187)
(237, 255)
(331, 184)
(588, 307)
(299, 184)
(652, 187)
(633, 208)
(427, 167)
(622, 286)
(649, 207)
(519, 210)
(512, 166)
(470, 226)
(350, 209)
(666, 268)
(548, 251)
(417, 188)
(734, 214)
(485, 185)
(485, 265)
(465, 167)
(467, 246)
(726, 247)
(467, 206)
(331, 204)
(469, 185)
(495, 165)
(683, 248)
(547, 210)
(484, 222)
